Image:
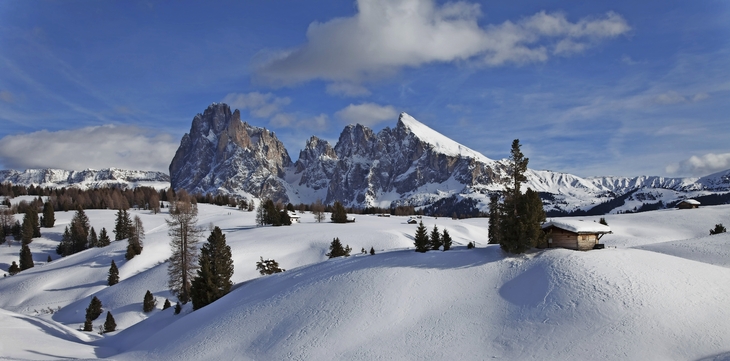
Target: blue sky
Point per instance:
(591, 88)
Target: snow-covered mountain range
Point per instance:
(410, 164)
(85, 179)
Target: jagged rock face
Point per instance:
(221, 153)
(317, 162)
(368, 165)
(85, 179)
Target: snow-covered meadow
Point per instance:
(660, 290)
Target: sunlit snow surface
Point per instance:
(659, 291)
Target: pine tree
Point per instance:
(16, 230)
(93, 238)
(122, 225)
(178, 308)
(94, 309)
(109, 325)
(421, 240)
(184, 234)
(103, 238)
(336, 249)
(470, 245)
(26, 258)
(88, 325)
(435, 239)
(49, 215)
(603, 221)
(372, 251)
(65, 247)
(49, 260)
(339, 214)
(216, 269)
(268, 266)
(14, 269)
(33, 215)
(135, 240)
(26, 233)
(2, 234)
(113, 275)
(79, 231)
(149, 302)
(446, 240)
(494, 219)
(166, 305)
(719, 228)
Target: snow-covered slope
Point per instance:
(90, 178)
(660, 282)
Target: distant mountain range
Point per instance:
(408, 165)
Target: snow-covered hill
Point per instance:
(659, 291)
(85, 179)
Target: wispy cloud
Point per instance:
(126, 147)
(259, 104)
(386, 35)
(701, 165)
(347, 90)
(7, 96)
(367, 114)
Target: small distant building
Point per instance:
(688, 204)
(574, 234)
(294, 217)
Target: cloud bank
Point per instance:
(125, 147)
(386, 35)
(367, 114)
(702, 165)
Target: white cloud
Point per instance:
(260, 105)
(347, 90)
(702, 165)
(125, 147)
(386, 35)
(367, 114)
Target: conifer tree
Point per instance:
(339, 214)
(79, 231)
(109, 325)
(268, 266)
(49, 215)
(216, 269)
(26, 233)
(16, 230)
(94, 309)
(93, 238)
(149, 302)
(184, 234)
(603, 221)
(26, 258)
(2, 234)
(421, 240)
(103, 238)
(372, 251)
(494, 214)
(166, 305)
(33, 215)
(135, 240)
(49, 260)
(446, 240)
(719, 228)
(113, 275)
(470, 245)
(14, 269)
(88, 325)
(435, 239)
(122, 225)
(336, 249)
(178, 308)
(65, 247)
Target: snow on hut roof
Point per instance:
(577, 226)
(691, 201)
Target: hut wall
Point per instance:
(562, 238)
(586, 241)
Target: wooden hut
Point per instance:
(688, 204)
(574, 234)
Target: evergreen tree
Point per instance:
(2, 234)
(88, 325)
(603, 221)
(122, 225)
(149, 302)
(16, 230)
(49, 215)
(184, 234)
(93, 239)
(33, 216)
(336, 249)
(26, 258)
(339, 214)
(178, 308)
(113, 275)
(49, 260)
(166, 305)
(421, 240)
(65, 247)
(109, 325)
(103, 238)
(470, 245)
(719, 228)
(79, 231)
(216, 269)
(435, 239)
(94, 309)
(446, 240)
(135, 240)
(372, 251)
(14, 269)
(268, 266)
(285, 219)
(494, 214)
(26, 233)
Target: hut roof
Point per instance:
(577, 226)
(691, 201)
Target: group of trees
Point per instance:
(268, 266)
(425, 242)
(79, 235)
(93, 312)
(272, 213)
(336, 249)
(515, 223)
(719, 228)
